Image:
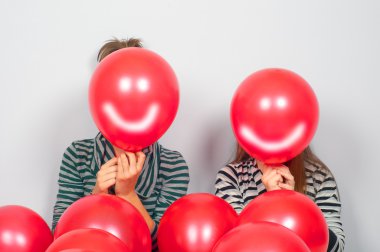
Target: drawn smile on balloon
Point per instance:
(273, 146)
(131, 126)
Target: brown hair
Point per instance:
(116, 44)
(296, 165)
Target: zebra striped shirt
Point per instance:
(163, 179)
(240, 183)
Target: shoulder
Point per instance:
(77, 149)
(233, 171)
(84, 145)
(172, 159)
(319, 173)
(171, 156)
(228, 174)
(239, 167)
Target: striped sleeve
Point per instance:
(70, 184)
(175, 176)
(227, 188)
(327, 198)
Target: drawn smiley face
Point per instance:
(134, 97)
(274, 115)
(147, 112)
(287, 139)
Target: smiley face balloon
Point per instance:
(133, 97)
(274, 115)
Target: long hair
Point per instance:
(296, 165)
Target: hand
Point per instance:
(276, 177)
(106, 177)
(288, 178)
(271, 178)
(128, 171)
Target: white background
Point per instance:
(48, 52)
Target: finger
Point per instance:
(109, 183)
(109, 176)
(110, 169)
(283, 168)
(274, 180)
(132, 162)
(125, 165)
(120, 172)
(286, 174)
(277, 179)
(111, 162)
(270, 174)
(267, 177)
(106, 171)
(285, 186)
(140, 160)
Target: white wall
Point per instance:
(48, 51)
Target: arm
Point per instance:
(129, 166)
(134, 199)
(175, 182)
(327, 198)
(227, 188)
(70, 184)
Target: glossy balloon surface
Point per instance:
(274, 115)
(133, 97)
(260, 237)
(194, 223)
(292, 210)
(94, 240)
(23, 230)
(108, 213)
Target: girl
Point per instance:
(156, 176)
(245, 178)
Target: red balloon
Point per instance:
(292, 210)
(133, 97)
(108, 213)
(195, 222)
(260, 237)
(274, 115)
(94, 240)
(21, 229)
(78, 250)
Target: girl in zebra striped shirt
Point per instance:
(156, 176)
(245, 178)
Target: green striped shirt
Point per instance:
(163, 179)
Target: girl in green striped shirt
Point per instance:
(156, 178)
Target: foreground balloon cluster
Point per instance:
(277, 221)
(94, 223)
(108, 213)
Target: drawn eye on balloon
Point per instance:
(274, 115)
(133, 97)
